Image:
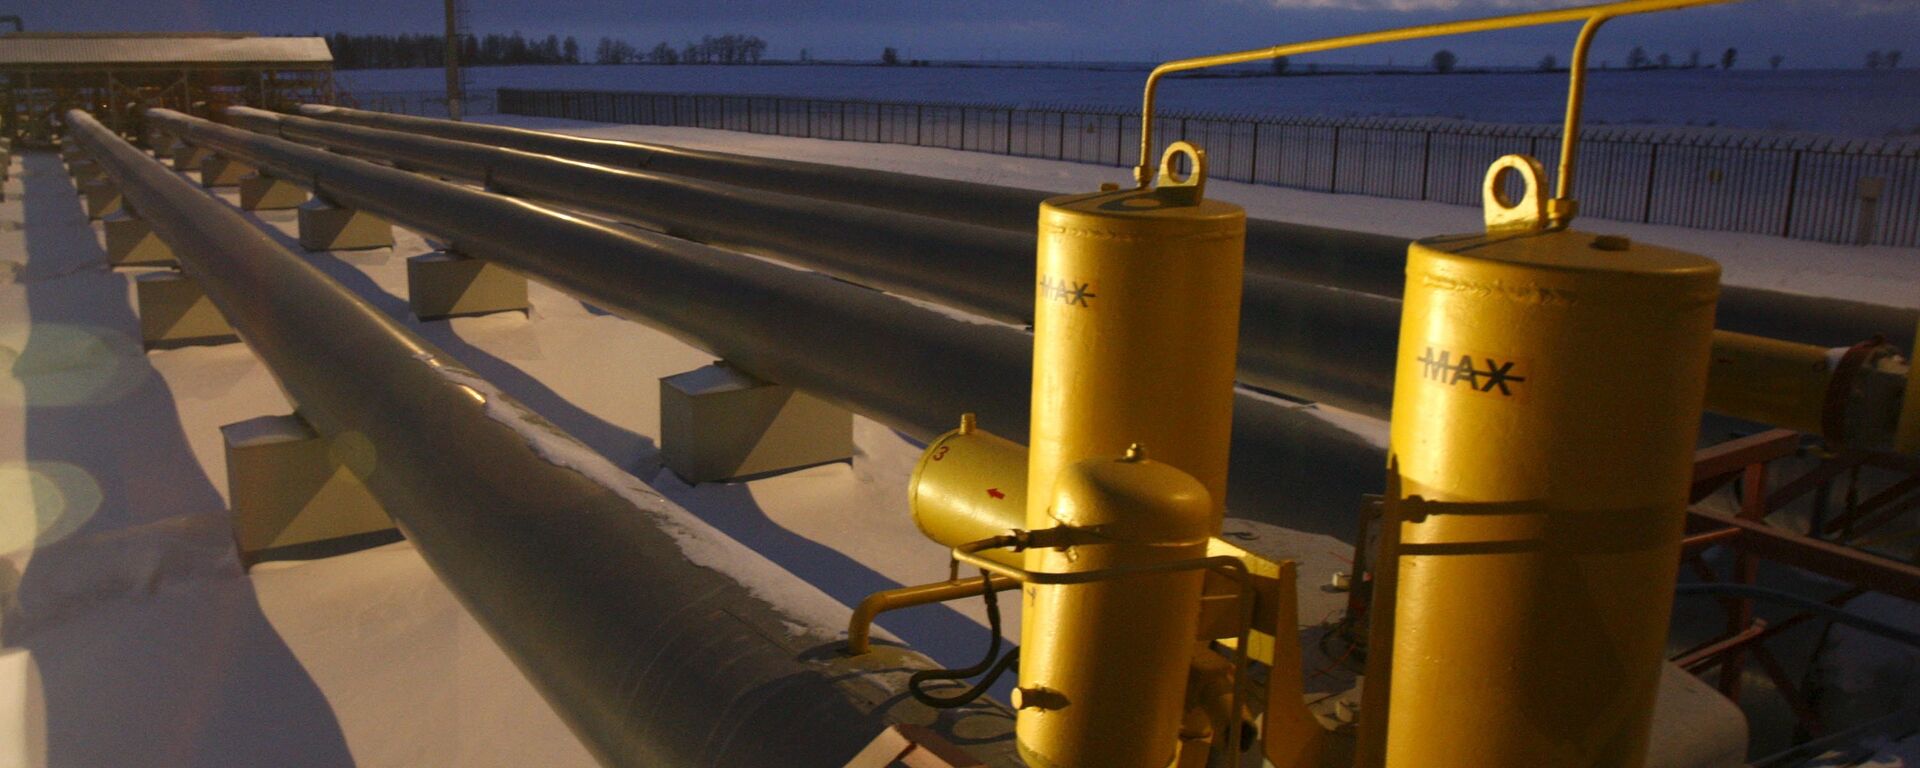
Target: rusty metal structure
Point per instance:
(117, 75)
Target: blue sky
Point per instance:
(1810, 33)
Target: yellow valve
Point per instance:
(1104, 664)
(1547, 400)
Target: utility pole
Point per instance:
(455, 93)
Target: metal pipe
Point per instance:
(979, 269)
(1311, 342)
(1356, 262)
(907, 366)
(1016, 208)
(583, 579)
(860, 627)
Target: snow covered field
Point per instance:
(1846, 102)
(128, 626)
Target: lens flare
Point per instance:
(44, 501)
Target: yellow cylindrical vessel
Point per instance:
(970, 485)
(1136, 323)
(1100, 658)
(1547, 401)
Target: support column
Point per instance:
(296, 494)
(449, 284)
(326, 227)
(718, 423)
(217, 170)
(84, 171)
(132, 243)
(187, 157)
(102, 198)
(174, 312)
(260, 192)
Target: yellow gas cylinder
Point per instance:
(1100, 658)
(1546, 406)
(970, 485)
(1136, 323)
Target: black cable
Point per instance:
(992, 668)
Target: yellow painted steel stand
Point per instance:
(1546, 406)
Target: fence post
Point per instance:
(1793, 189)
(1653, 167)
(1426, 162)
(1253, 155)
(918, 110)
(1333, 174)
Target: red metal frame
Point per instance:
(1752, 540)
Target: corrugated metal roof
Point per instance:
(185, 49)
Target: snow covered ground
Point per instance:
(127, 625)
(1847, 102)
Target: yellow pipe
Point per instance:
(860, 627)
(1767, 380)
(1593, 15)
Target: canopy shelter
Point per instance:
(116, 75)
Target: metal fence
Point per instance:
(418, 103)
(1831, 189)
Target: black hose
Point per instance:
(992, 668)
(1836, 615)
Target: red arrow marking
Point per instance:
(995, 492)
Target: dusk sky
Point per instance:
(1810, 33)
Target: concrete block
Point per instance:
(447, 284)
(84, 171)
(132, 243)
(174, 312)
(1694, 726)
(326, 227)
(297, 494)
(218, 170)
(188, 157)
(718, 423)
(260, 192)
(102, 198)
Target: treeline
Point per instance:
(351, 51)
(724, 49)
